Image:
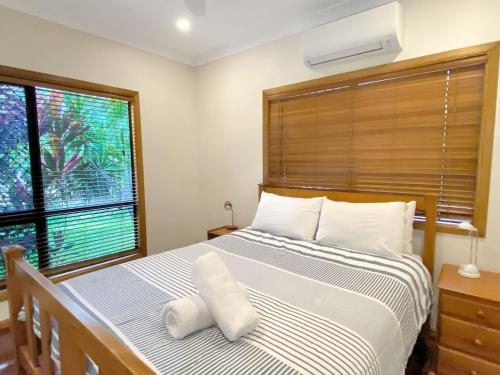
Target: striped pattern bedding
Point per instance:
(323, 310)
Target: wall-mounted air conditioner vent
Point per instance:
(370, 33)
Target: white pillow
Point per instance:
(408, 231)
(370, 227)
(295, 218)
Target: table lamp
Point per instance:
(470, 270)
(228, 206)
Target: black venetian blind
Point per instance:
(67, 177)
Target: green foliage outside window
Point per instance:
(86, 165)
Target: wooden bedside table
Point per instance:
(217, 232)
(468, 324)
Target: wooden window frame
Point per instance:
(488, 51)
(24, 77)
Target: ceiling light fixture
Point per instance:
(183, 24)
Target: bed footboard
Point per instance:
(80, 335)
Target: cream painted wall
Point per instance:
(219, 106)
(167, 107)
(230, 112)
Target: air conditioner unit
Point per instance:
(365, 34)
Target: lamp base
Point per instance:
(469, 270)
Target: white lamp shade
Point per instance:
(465, 225)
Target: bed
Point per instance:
(323, 311)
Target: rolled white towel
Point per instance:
(189, 314)
(229, 305)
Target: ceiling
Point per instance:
(230, 26)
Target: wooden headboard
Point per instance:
(426, 204)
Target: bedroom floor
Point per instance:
(7, 358)
(6, 353)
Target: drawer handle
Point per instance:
(480, 314)
(478, 342)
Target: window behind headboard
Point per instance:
(414, 127)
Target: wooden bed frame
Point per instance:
(80, 335)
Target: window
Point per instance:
(416, 130)
(68, 176)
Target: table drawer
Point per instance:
(476, 312)
(451, 362)
(471, 338)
